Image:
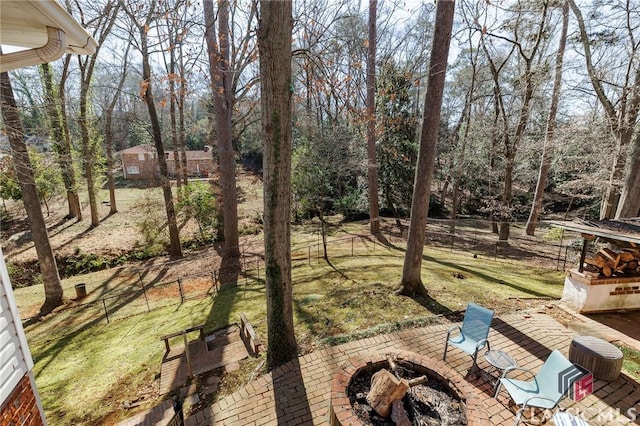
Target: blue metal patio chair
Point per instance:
(546, 389)
(472, 336)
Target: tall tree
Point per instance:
(619, 99)
(223, 97)
(52, 286)
(397, 147)
(177, 24)
(146, 90)
(102, 27)
(629, 205)
(460, 138)
(547, 147)
(57, 131)
(108, 132)
(274, 46)
(69, 174)
(511, 134)
(372, 169)
(411, 283)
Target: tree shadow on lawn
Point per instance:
(484, 276)
(58, 346)
(315, 321)
(73, 239)
(122, 300)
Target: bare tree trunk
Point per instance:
(547, 148)
(87, 65)
(57, 136)
(147, 94)
(63, 154)
(611, 195)
(411, 283)
(510, 144)
(629, 205)
(72, 190)
(465, 117)
(52, 287)
(181, 130)
(172, 114)
(274, 46)
(113, 209)
(88, 151)
(372, 169)
(223, 108)
(507, 197)
(108, 141)
(622, 120)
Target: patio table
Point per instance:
(499, 360)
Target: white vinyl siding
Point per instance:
(12, 364)
(15, 358)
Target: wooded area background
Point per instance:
(539, 110)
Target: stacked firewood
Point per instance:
(608, 263)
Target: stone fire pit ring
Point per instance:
(342, 413)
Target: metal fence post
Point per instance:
(144, 292)
(560, 249)
(180, 290)
(106, 312)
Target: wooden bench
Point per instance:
(184, 333)
(166, 337)
(247, 331)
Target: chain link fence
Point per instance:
(129, 292)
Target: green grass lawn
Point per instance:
(89, 371)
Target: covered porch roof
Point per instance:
(626, 230)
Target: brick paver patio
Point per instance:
(298, 393)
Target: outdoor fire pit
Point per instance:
(446, 398)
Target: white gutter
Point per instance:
(30, 24)
(54, 49)
(86, 45)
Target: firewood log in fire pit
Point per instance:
(399, 414)
(387, 388)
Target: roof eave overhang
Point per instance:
(592, 231)
(48, 34)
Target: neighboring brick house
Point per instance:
(199, 163)
(141, 162)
